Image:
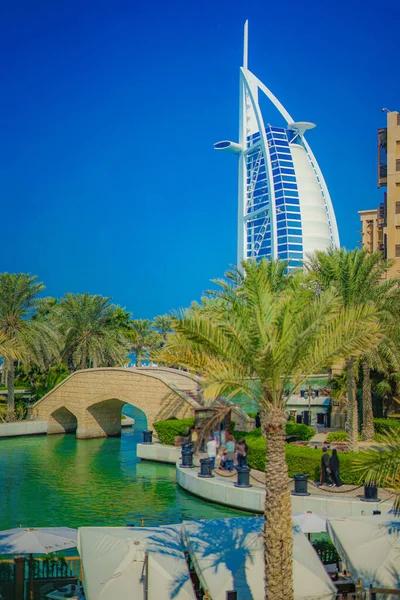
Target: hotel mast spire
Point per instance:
(246, 45)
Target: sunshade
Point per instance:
(40, 540)
(228, 554)
(370, 547)
(113, 563)
(310, 522)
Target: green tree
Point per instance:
(35, 340)
(91, 338)
(358, 277)
(380, 465)
(264, 335)
(164, 325)
(39, 381)
(143, 339)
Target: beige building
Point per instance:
(380, 227)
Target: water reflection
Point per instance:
(61, 481)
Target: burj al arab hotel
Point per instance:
(285, 210)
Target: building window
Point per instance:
(398, 164)
(398, 119)
(397, 250)
(397, 208)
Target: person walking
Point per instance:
(334, 464)
(212, 450)
(230, 453)
(325, 468)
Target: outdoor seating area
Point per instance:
(209, 557)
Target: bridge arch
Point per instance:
(62, 420)
(94, 397)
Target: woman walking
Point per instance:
(335, 466)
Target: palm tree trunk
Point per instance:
(278, 535)
(352, 411)
(368, 416)
(11, 394)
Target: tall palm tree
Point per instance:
(33, 340)
(358, 277)
(263, 336)
(164, 325)
(90, 336)
(143, 339)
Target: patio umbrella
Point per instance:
(134, 562)
(228, 554)
(310, 522)
(41, 540)
(370, 547)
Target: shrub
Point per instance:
(336, 436)
(300, 459)
(302, 432)
(326, 551)
(252, 415)
(168, 430)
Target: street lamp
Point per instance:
(308, 394)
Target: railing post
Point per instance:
(19, 578)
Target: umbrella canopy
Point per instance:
(310, 522)
(37, 541)
(370, 547)
(113, 561)
(228, 554)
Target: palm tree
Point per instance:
(34, 340)
(263, 335)
(143, 339)
(90, 336)
(357, 276)
(164, 325)
(380, 465)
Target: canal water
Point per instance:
(57, 480)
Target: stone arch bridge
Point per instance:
(89, 402)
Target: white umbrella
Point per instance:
(41, 540)
(37, 541)
(310, 522)
(134, 562)
(370, 547)
(228, 554)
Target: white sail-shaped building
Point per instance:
(285, 210)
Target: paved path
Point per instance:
(257, 478)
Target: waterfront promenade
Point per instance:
(345, 501)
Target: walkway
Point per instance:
(341, 502)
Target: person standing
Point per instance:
(212, 450)
(335, 466)
(222, 462)
(241, 453)
(258, 420)
(230, 453)
(325, 468)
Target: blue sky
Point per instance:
(108, 115)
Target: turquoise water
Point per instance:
(57, 480)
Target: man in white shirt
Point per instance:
(212, 450)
